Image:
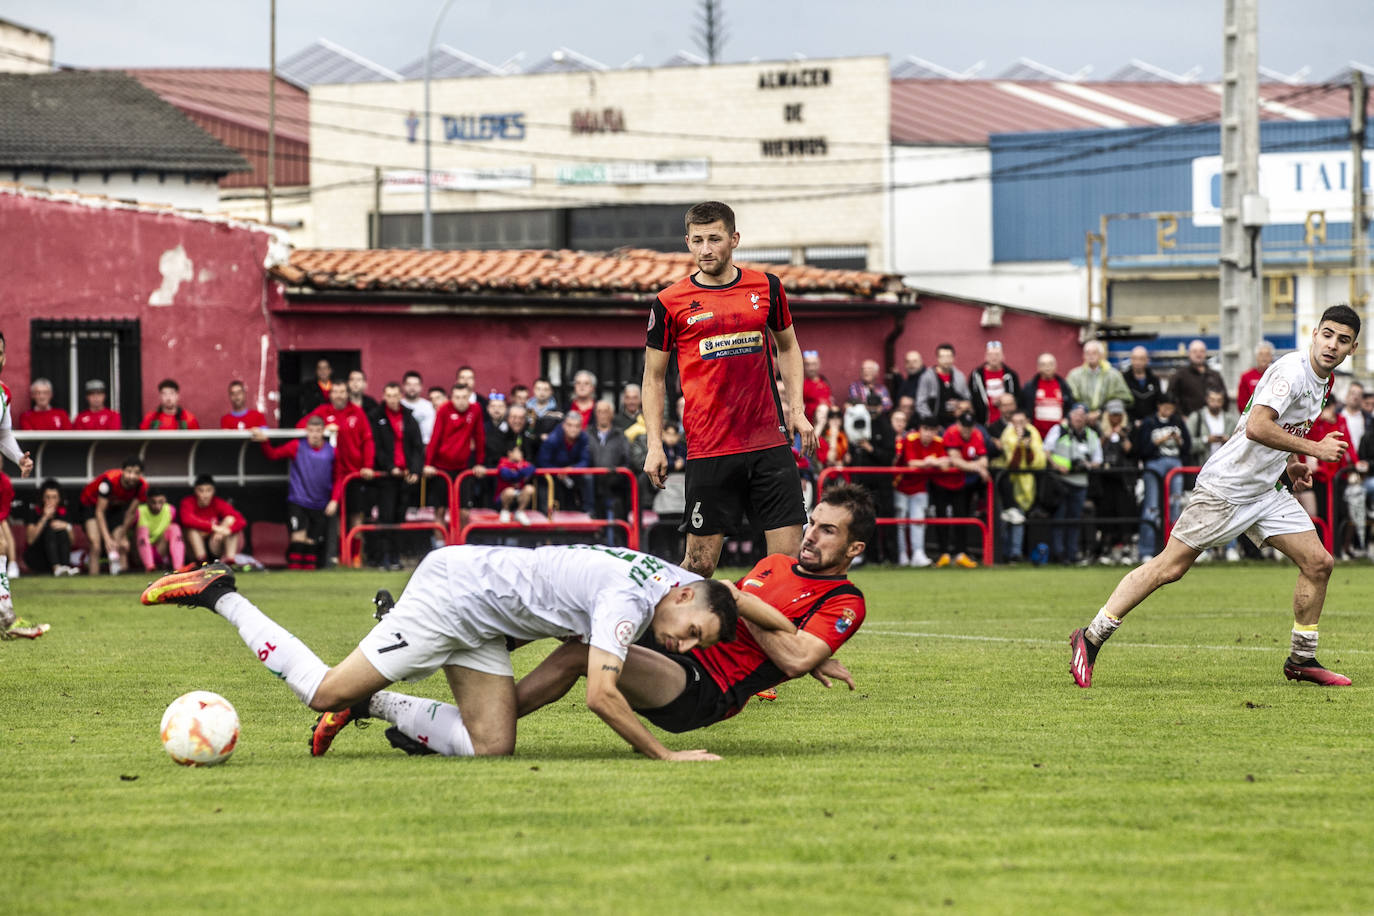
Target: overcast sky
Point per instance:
(1065, 34)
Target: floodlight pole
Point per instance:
(427, 222)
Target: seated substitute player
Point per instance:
(682, 691)
(725, 325)
(212, 526)
(459, 608)
(159, 535)
(110, 505)
(1237, 493)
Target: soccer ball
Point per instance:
(200, 729)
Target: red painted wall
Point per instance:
(75, 258)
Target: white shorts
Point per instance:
(1211, 521)
(414, 640)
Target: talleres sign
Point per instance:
(1295, 184)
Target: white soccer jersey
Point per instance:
(606, 596)
(9, 446)
(1243, 470)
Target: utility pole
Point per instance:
(272, 112)
(427, 221)
(377, 207)
(1243, 210)
(1359, 258)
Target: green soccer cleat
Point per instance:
(23, 629)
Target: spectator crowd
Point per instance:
(1076, 463)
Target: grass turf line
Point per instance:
(965, 775)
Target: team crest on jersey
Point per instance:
(624, 632)
(1280, 386)
(845, 621)
(651, 320)
(754, 298)
(741, 343)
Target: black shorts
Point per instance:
(357, 497)
(700, 704)
(436, 491)
(114, 514)
(719, 491)
(312, 521)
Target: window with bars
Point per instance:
(70, 353)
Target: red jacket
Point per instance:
(53, 419)
(355, 448)
(251, 419)
(192, 515)
(104, 418)
(1326, 471)
(459, 439)
(182, 419)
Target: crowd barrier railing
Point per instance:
(1323, 525)
(983, 525)
(348, 535)
(1087, 522)
(460, 530)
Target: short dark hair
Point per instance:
(239, 382)
(395, 385)
(157, 491)
(721, 602)
(1342, 314)
(338, 381)
(436, 388)
(314, 420)
(133, 461)
(411, 373)
(168, 383)
(858, 502)
(203, 479)
(944, 346)
(544, 380)
(462, 369)
(50, 484)
(709, 211)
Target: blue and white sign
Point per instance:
(412, 181)
(1294, 183)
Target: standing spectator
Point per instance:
(519, 394)
(519, 431)
(514, 488)
(467, 376)
(96, 415)
(400, 458)
(1072, 449)
(1045, 396)
(917, 450)
(1325, 473)
(493, 430)
(438, 398)
(169, 413)
(48, 532)
(1191, 382)
(1024, 452)
(1113, 493)
(1144, 385)
(816, 391)
(41, 415)
(607, 448)
(459, 443)
(584, 396)
(211, 526)
(240, 415)
(1250, 378)
(1096, 382)
(312, 491)
(1161, 443)
(566, 447)
(1210, 427)
(542, 401)
(357, 392)
(1357, 419)
(420, 407)
(315, 393)
(870, 382)
(832, 449)
(913, 367)
(941, 387)
(989, 382)
(879, 449)
(630, 418)
(110, 506)
(350, 432)
(159, 535)
(968, 453)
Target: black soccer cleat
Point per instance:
(403, 742)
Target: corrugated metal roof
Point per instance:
(236, 95)
(325, 62)
(566, 60)
(967, 112)
(685, 59)
(449, 62)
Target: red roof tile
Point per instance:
(629, 270)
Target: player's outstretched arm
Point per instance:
(759, 612)
(605, 699)
(794, 653)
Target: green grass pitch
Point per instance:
(967, 774)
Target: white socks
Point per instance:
(283, 654)
(1304, 642)
(1103, 626)
(438, 726)
(6, 602)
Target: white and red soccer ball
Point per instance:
(200, 729)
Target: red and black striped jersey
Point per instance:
(725, 359)
(831, 608)
(111, 486)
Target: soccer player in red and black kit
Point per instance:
(110, 506)
(724, 323)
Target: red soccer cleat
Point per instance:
(200, 587)
(1084, 655)
(1314, 673)
(768, 693)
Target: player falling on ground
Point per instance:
(11, 625)
(682, 691)
(1238, 493)
(723, 323)
(457, 611)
